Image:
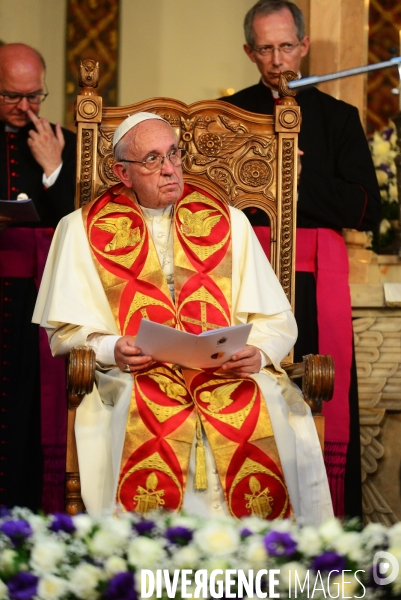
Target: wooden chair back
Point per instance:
(244, 159)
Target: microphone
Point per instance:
(316, 79)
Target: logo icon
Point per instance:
(385, 568)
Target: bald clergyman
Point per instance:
(239, 440)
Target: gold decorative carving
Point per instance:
(255, 173)
(259, 501)
(88, 109)
(289, 118)
(378, 360)
(88, 73)
(86, 166)
(284, 79)
(208, 143)
(288, 158)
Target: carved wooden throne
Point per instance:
(244, 159)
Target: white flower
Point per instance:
(254, 524)
(282, 525)
(330, 530)
(46, 554)
(309, 542)
(216, 564)
(395, 535)
(84, 580)
(385, 225)
(255, 553)
(342, 585)
(382, 177)
(186, 558)
(7, 558)
(143, 552)
(111, 538)
(396, 552)
(114, 565)
(381, 147)
(138, 583)
(38, 524)
(51, 587)
(292, 574)
(83, 525)
(189, 522)
(217, 538)
(3, 591)
(348, 544)
(374, 536)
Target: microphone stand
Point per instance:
(316, 79)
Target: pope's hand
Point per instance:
(243, 363)
(127, 354)
(46, 146)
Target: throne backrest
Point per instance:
(245, 159)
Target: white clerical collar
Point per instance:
(11, 129)
(152, 213)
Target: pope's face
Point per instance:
(154, 189)
(273, 30)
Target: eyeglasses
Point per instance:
(10, 98)
(154, 162)
(269, 50)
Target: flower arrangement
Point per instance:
(58, 557)
(383, 146)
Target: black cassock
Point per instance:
(21, 452)
(337, 189)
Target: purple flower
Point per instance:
(16, 530)
(121, 587)
(179, 535)
(329, 561)
(384, 167)
(62, 522)
(387, 133)
(144, 527)
(279, 544)
(22, 586)
(4, 512)
(245, 533)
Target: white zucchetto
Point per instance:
(131, 121)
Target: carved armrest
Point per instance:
(317, 372)
(80, 374)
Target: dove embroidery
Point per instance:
(197, 224)
(171, 389)
(123, 235)
(220, 397)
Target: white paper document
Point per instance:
(206, 350)
(19, 210)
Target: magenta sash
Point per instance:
(23, 253)
(323, 253)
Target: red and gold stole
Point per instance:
(169, 404)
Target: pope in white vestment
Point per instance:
(75, 310)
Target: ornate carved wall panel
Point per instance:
(384, 43)
(377, 334)
(92, 33)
